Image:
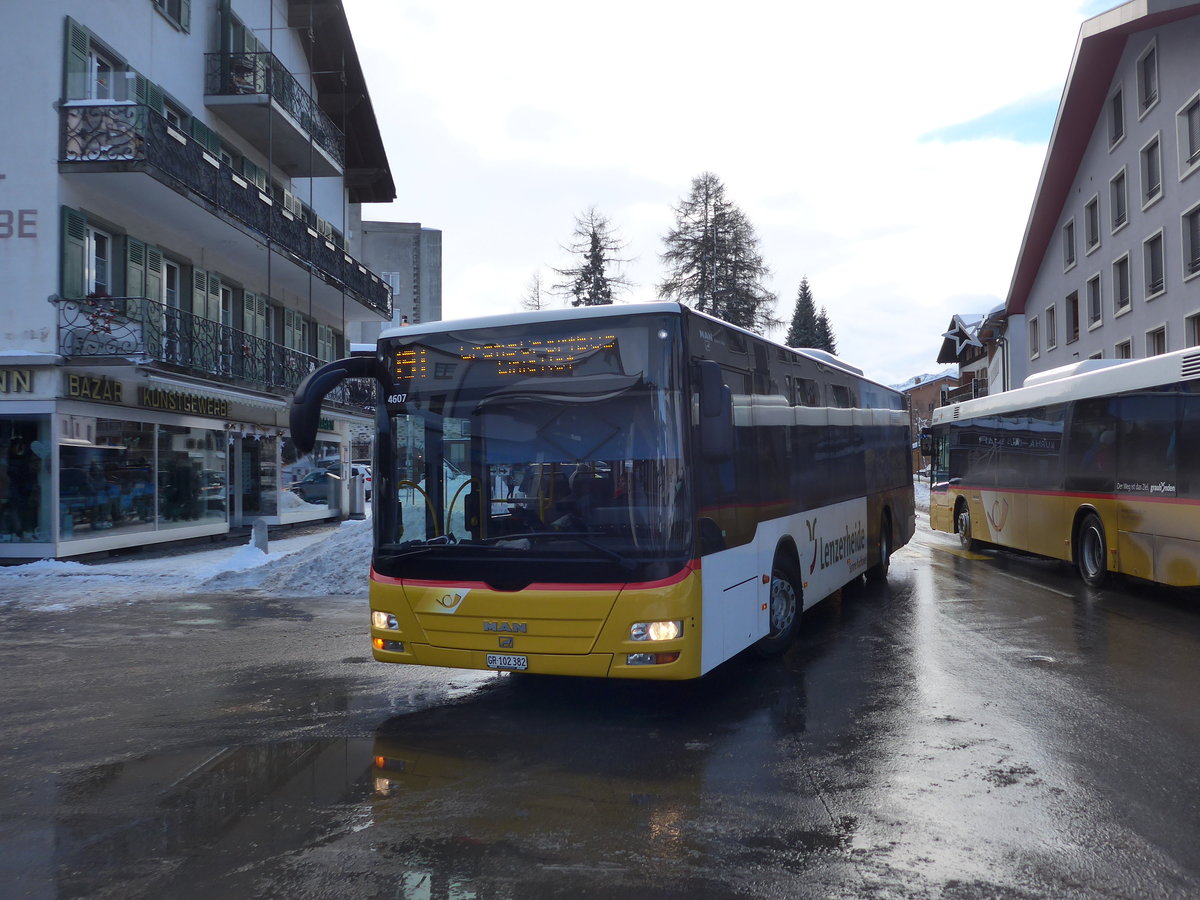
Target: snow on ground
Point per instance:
(921, 493)
(334, 562)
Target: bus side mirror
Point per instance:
(926, 443)
(716, 414)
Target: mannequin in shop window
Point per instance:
(24, 491)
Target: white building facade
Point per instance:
(1110, 262)
(180, 242)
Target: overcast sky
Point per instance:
(888, 151)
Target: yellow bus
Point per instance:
(632, 491)
(1095, 463)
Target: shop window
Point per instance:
(25, 494)
(106, 476)
(192, 476)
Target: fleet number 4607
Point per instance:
(397, 398)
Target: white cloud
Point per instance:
(504, 121)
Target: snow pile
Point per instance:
(335, 562)
(338, 563)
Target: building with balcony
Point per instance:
(1109, 266)
(408, 257)
(181, 239)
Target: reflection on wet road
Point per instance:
(981, 727)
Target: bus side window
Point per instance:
(1187, 443)
(1146, 450)
(1091, 450)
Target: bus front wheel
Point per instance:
(962, 520)
(1091, 551)
(785, 609)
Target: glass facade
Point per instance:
(135, 476)
(25, 463)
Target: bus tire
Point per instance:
(1091, 551)
(879, 572)
(784, 611)
(962, 524)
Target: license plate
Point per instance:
(507, 661)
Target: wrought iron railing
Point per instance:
(134, 137)
(977, 387)
(144, 330)
(262, 73)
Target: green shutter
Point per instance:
(154, 273)
(185, 14)
(199, 291)
(75, 62)
(154, 99)
(213, 312)
(74, 236)
(135, 267)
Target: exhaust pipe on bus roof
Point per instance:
(306, 404)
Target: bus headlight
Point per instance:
(384, 620)
(656, 631)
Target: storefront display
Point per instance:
(25, 493)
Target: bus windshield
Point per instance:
(549, 454)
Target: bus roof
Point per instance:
(574, 313)
(1080, 380)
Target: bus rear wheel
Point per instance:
(784, 609)
(1091, 551)
(962, 520)
(879, 571)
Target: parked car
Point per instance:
(315, 487)
(363, 471)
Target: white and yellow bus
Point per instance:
(634, 491)
(1096, 463)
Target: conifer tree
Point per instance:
(825, 339)
(596, 278)
(803, 331)
(713, 260)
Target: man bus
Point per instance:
(682, 489)
(1094, 463)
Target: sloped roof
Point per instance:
(1097, 52)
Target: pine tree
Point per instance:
(804, 331)
(594, 281)
(713, 259)
(825, 339)
(535, 297)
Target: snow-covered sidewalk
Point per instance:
(334, 562)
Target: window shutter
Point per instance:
(154, 273)
(199, 291)
(248, 300)
(154, 98)
(75, 63)
(185, 14)
(213, 310)
(135, 267)
(74, 235)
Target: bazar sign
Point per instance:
(95, 387)
(175, 401)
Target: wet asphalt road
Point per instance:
(982, 727)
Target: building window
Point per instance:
(1068, 237)
(1091, 225)
(178, 11)
(1118, 201)
(1120, 278)
(1051, 319)
(1116, 118)
(1147, 71)
(1156, 341)
(1072, 317)
(98, 259)
(1152, 253)
(1191, 242)
(1189, 136)
(1191, 330)
(1035, 346)
(1151, 172)
(1095, 311)
(1124, 350)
